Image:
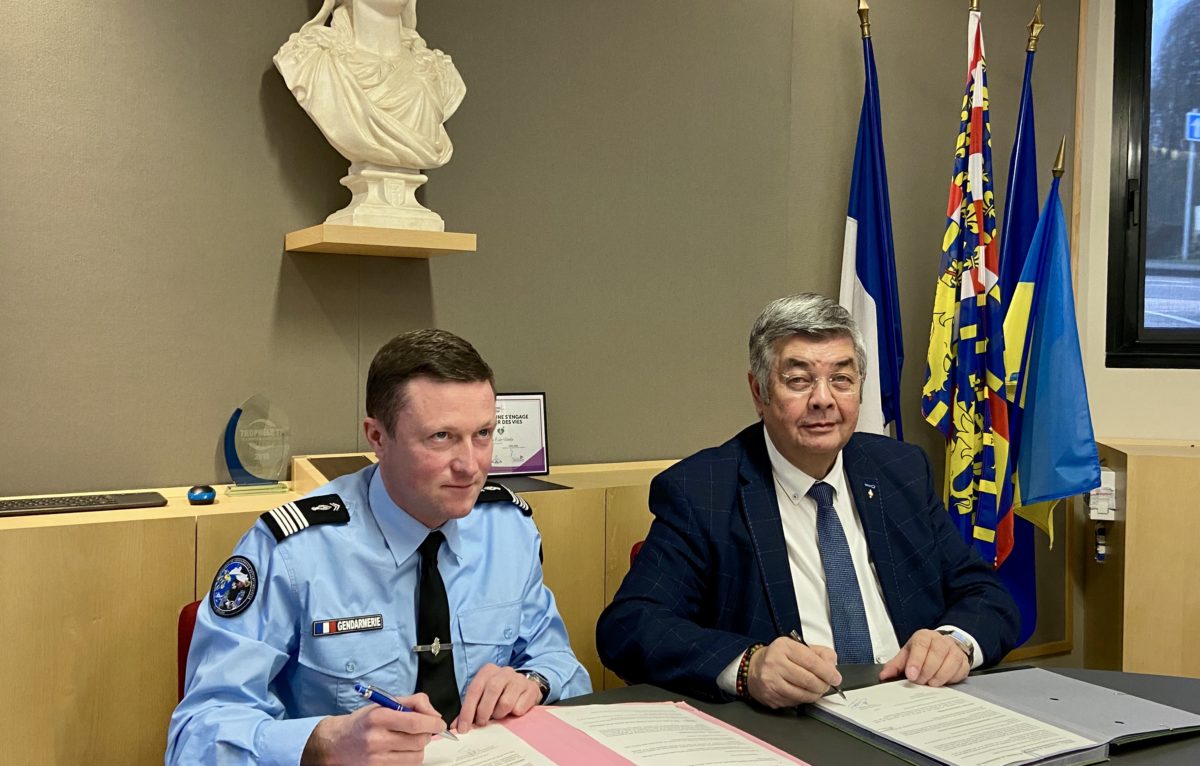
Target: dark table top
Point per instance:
(821, 745)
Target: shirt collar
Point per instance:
(796, 483)
(401, 531)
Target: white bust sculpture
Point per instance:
(380, 96)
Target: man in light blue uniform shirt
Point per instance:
(322, 593)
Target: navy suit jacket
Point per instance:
(713, 578)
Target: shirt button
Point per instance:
(880, 660)
(508, 632)
(350, 666)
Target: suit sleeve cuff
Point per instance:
(727, 680)
(281, 743)
(977, 660)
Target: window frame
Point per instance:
(1129, 344)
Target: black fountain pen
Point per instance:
(796, 637)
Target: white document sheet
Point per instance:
(492, 745)
(658, 734)
(951, 726)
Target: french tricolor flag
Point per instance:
(324, 627)
(868, 288)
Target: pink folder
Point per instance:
(564, 744)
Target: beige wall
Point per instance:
(1117, 412)
(643, 176)
(717, 140)
(626, 165)
(151, 161)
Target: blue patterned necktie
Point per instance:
(847, 617)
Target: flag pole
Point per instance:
(1060, 160)
(1035, 28)
(868, 274)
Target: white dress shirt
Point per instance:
(798, 512)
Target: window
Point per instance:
(1154, 238)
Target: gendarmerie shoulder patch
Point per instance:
(496, 493)
(234, 587)
(290, 518)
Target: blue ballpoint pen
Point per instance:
(382, 698)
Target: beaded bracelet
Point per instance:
(742, 686)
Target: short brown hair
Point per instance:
(434, 354)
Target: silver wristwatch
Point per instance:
(964, 642)
(540, 680)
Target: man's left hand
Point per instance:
(929, 658)
(496, 693)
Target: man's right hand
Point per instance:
(787, 673)
(374, 735)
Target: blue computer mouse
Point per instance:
(201, 494)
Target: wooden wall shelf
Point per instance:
(365, 240)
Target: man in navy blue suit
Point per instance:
(800, 525)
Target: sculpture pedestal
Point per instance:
(385, 197)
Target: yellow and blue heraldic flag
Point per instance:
(1056, 448)
(963, 396)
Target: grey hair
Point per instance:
(805, 314)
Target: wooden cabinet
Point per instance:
(1142, 603)
(89, 615)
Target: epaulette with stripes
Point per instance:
(498, 493)
(290, 518)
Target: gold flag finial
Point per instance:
(1061, 159)
(864, 18)
(1035, 28)
(974, 6)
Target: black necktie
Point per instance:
(435, 666)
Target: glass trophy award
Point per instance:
(256, 447)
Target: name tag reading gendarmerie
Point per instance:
(347, 625)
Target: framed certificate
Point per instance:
(519, 441)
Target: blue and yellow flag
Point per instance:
(1057, 454)
(1019, 573)
(964, 379)
(1021, 192)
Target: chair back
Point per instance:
(187, 625)
(633, 552)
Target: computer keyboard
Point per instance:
(29, 506)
